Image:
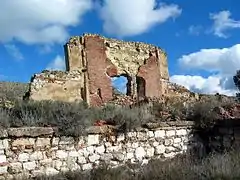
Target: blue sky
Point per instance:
(201, 39)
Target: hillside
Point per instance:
(12, 90)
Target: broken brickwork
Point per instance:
(95, 60)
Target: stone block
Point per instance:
(93, 139)
(3, 159)
(23, 142)
(118, 156)
(37, 155)
(160, 133)
(4, 144)
(90, 149)
(181, 132)
(29, 165)
(170, 133)
(94, 158)
(140, 153)
(177, 140)
(81, 160)
(66, 140)
(150, 152)
(61, 154)
(170, 149)
(168, 142)
(87, 166)
(16, 167)
(73, 154)
(150, 134)
(120, 138)
(43, 142)
(46, 162)
(57, 164)
(23, 157)
(30, 131)
(160, 149)
(55, 141)
(106, 157)
(49, 171)
(3, 169)
(100, 149)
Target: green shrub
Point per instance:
(70, 118)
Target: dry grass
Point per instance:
(214, 167)
(12, 90)
(70, 118)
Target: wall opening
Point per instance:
(121, 85)
(141, 87)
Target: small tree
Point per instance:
(236, 80)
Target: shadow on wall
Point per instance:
(222, 136)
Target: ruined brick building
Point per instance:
(91, 62)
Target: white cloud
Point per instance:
(222, 62)
(14, 51)
(195, 30)
(40, 21)
(209, 85)
(128, 18)
(57, 64)
(222, 22)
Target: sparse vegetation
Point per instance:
(73, 118)
(215, 167)
(12, 90)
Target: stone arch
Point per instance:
(126, 84)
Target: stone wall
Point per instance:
(35, 151)
(224, 135)
(98, 59)
(57, 85)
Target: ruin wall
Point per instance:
(57, 85)
(34, 151)
(97, 59)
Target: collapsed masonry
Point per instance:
(91, 62)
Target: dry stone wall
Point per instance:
(35, 151)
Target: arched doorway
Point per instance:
(121, 84)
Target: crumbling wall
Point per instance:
(57, 85)
(96, 60)
(104, 58)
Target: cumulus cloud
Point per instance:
(127, 18)
(223, 22)
(209, 85)
(14, 51)
(57, 64)
(221, 63)
(35, 21)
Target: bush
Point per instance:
(12, 90)
(204, 114)
(70, 118)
